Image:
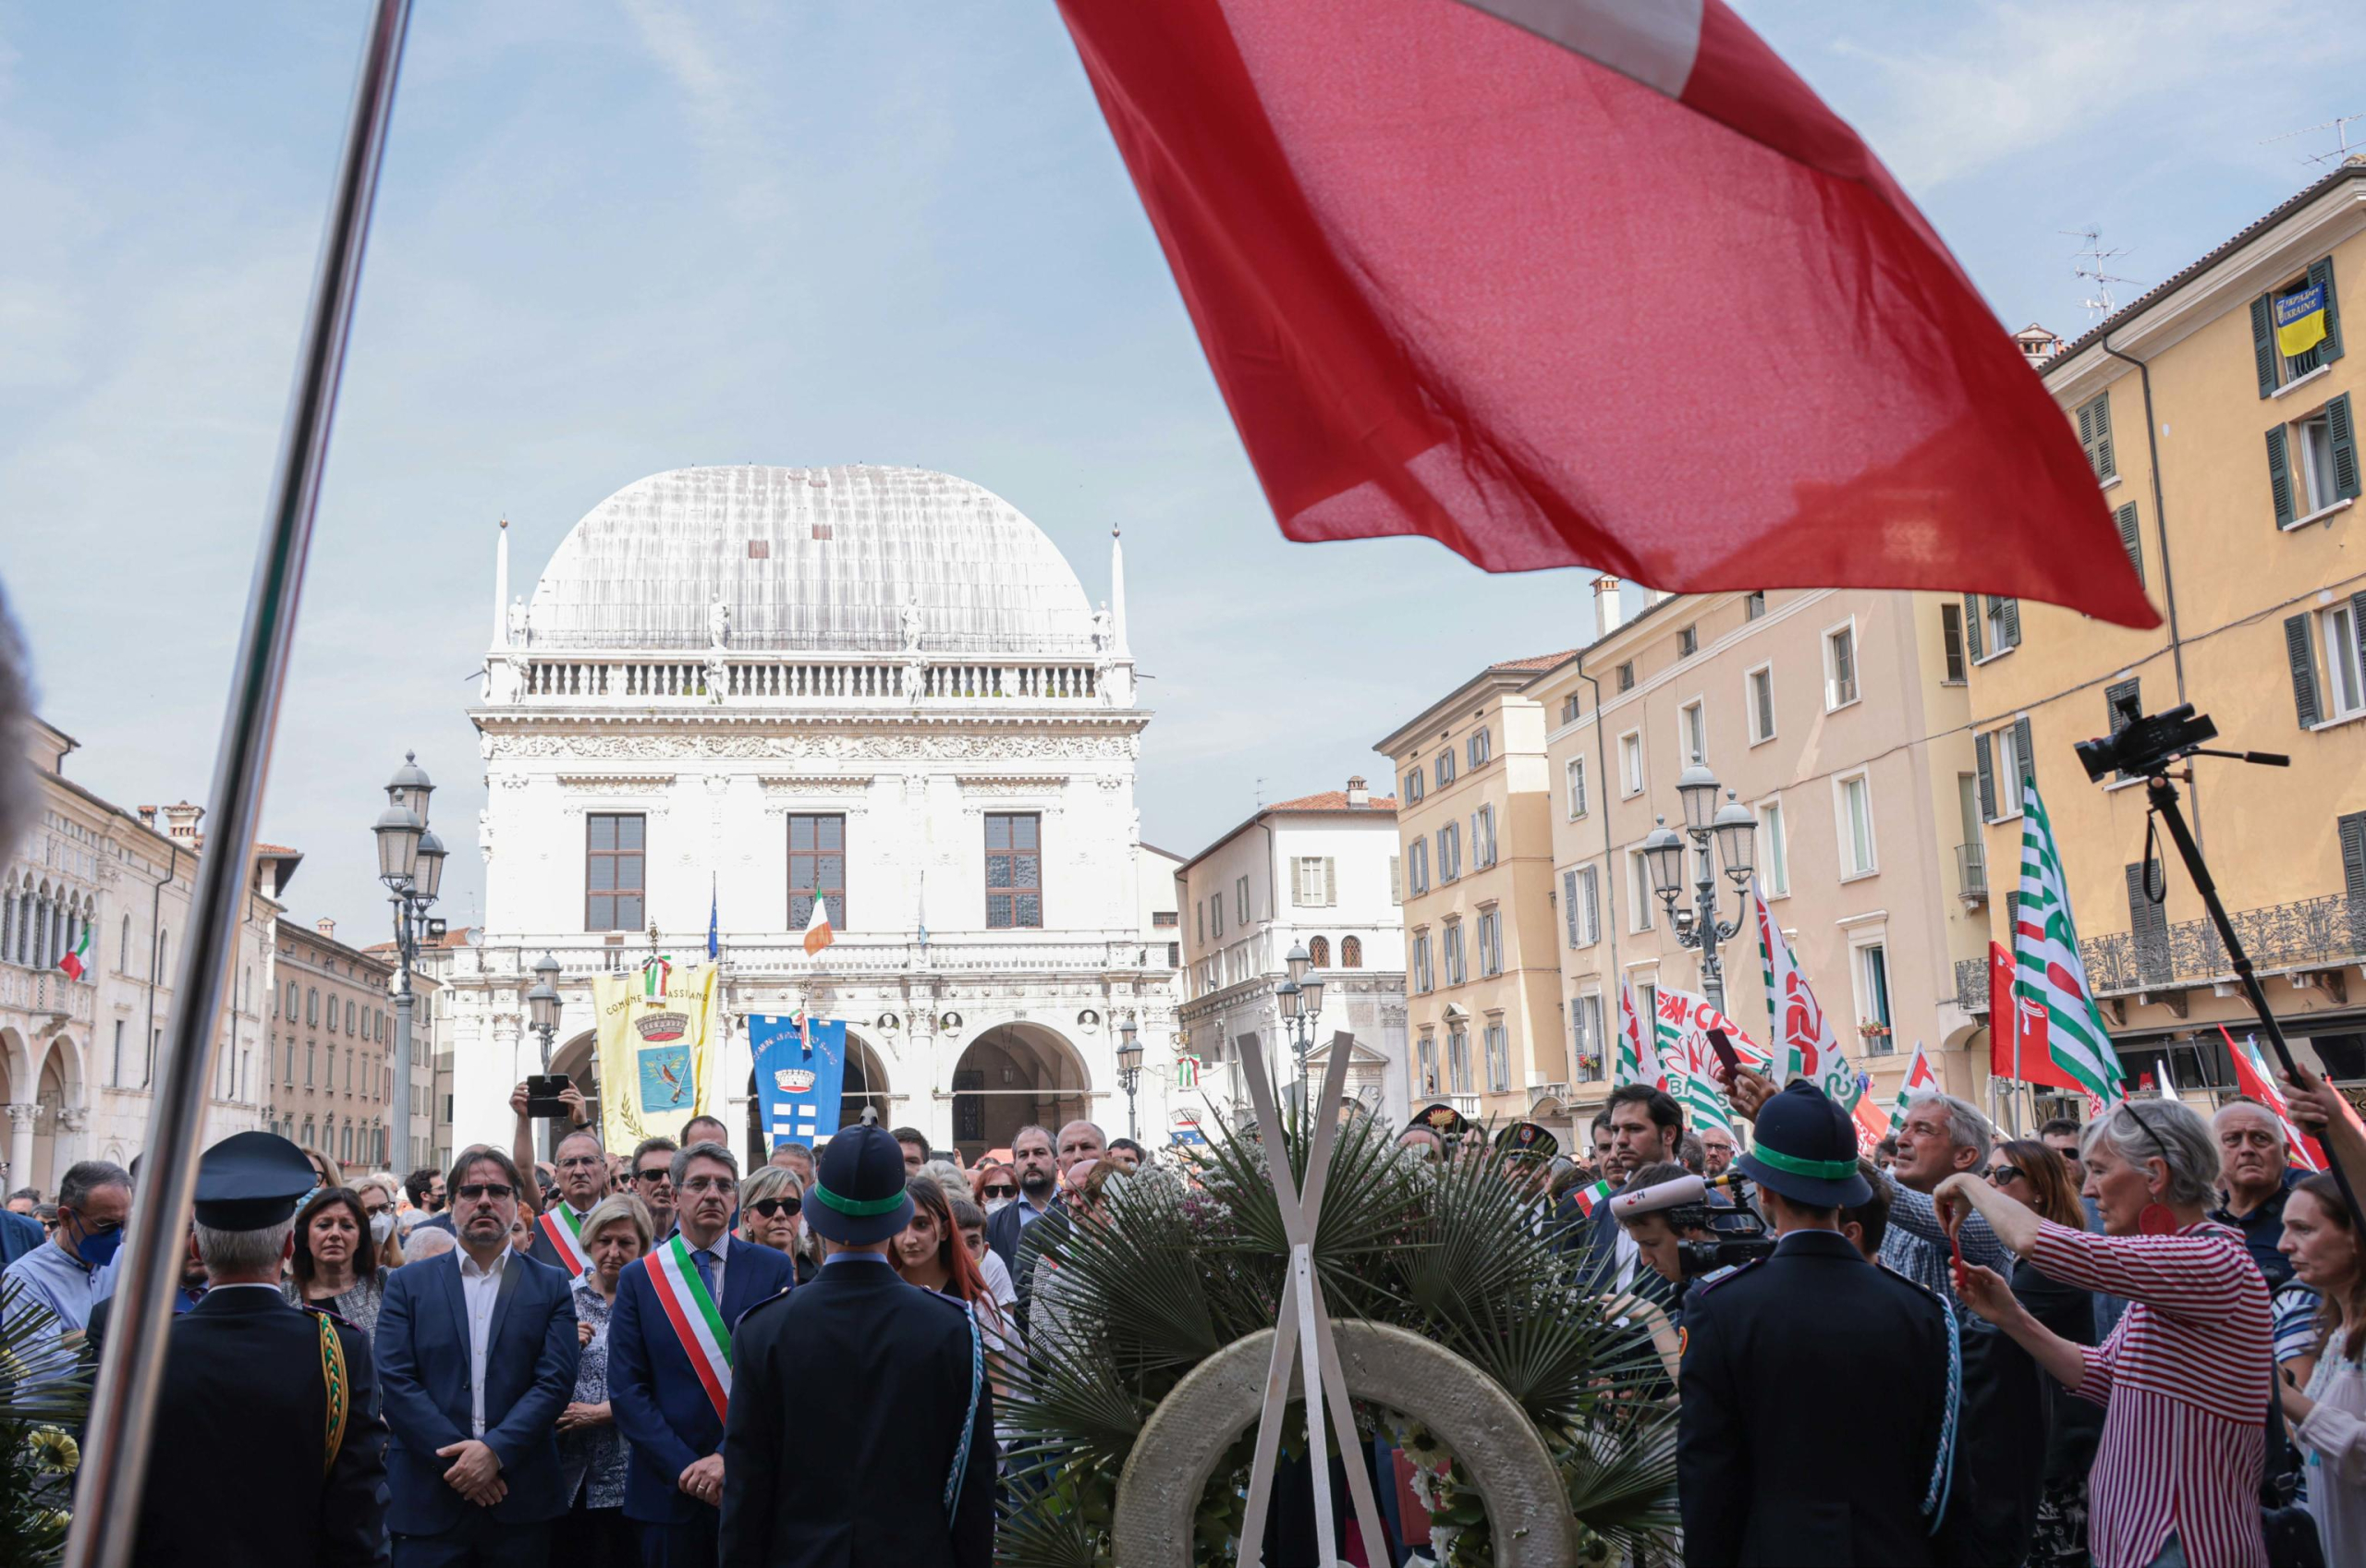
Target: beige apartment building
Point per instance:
(332, 1033)
(1483, 978)
(1838, 719)
(2232, 468)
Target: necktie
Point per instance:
(704, 1260)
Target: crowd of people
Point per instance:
(2137, 1341)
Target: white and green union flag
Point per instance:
(2050, 979)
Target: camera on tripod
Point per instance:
(2144, 746)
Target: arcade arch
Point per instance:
(1013, 1074)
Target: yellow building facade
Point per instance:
(2231, 467)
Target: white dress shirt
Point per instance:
(478, 1289)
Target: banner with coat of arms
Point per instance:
(800, 1076)
(659, 1062)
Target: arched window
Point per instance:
(348, 1017)
(123, 952)
(163, 952)
(345, 1154)
(291, 1002)
(311, 1004)
(307, 1132)
(1351, 953)
(1318, 952)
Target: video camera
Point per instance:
(1740, 1236)
(2143, 744)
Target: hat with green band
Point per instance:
(1805, 1149)
(858, 1194)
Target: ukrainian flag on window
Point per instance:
(2300, 321)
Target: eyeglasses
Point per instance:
(487, 1189)
(724, 1185)
(1001, 1192)
(581, 1162)
(2003, 1174)
(656, 1174)
(768, 1207)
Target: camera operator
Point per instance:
(1771, 1338)
(1659, 1234)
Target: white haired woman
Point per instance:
(2186, 1377)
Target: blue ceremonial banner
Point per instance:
(800, 1072)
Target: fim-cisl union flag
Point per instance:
(1803, 1046)
(660, 1059)
(1686, 1055)
(1636, 1062)
(1921, 1079)
(800, 1074)
(2051, 987)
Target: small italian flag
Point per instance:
(1589, 1199)
(817, 929)
(76, 963)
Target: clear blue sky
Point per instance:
(614, 238)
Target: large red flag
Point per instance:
(2033, 1063)
(1586, 282)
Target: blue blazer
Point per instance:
(659, 1403)
(423, 1351)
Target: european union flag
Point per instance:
(801, 1074)
(714, 925)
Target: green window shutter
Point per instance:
(2022, 745)
(2353, 854)
(2345, 448)
(1985, 750)
(2279, 477)
(2357, 621)
(2321, 274)
(1973, 633)
(2105, 465)
(2301, 655)
(2126, 519)
(2009, 625)
(2263, 342)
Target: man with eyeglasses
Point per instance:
(582, 1167)
(652, 1182)
(669, 1357)
(476, 1360)
(67, 1273)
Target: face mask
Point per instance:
(98, 1246)
(996, 1204)
(382, 1225)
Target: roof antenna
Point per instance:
(1260, 793)
(2340, 126)
(2100, 304)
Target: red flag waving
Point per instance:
(1586, 282)
(2016, 1044)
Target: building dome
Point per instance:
(810, 558)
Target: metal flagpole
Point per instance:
(115, 1442)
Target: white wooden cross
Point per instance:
(1302, 1333)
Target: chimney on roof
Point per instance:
(1606, 605)
(326, 927)
(147, 815)
(180, 822)
(1358, 792)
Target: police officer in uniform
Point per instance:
(269, 1452)
(862, 1427)
(1769, 1468)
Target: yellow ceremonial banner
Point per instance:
(659, 1055)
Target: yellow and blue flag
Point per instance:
(2300, 321)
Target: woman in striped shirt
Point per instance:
(2186, 1377)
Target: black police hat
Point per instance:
(858, 1193)
(1806, 1149)
(251, 1182)
(1527, 1139)
(1442, 1119)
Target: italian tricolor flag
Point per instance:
(817, 929)
(1589, 1199)
(78, 963)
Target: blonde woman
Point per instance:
(593, 1454)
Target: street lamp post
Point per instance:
(1735, 832)
(1129, 1071)
(543, 1004)
(410, 864)
(1301, 996)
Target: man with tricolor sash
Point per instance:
(669, 1357)
(582, 1167)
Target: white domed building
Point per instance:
(743, 683)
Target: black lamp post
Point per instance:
(1301, 996)
(1735, 832)
(1129, 1071)
(410, 864)
(543, 1004)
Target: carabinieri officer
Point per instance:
(861, 1425)
(268, 1446)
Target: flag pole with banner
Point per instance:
(658, 1045)
(800, 1076)
(2057, 1007)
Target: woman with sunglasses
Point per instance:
(994, 1186)
(770, 1202)
(2036, 1177)
(2184, 1379)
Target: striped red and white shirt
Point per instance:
(2185, 1380)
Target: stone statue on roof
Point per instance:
(908, 620)
(718, 624)
(520, 622)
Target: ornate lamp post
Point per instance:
(543, 1004)
(1301, 996)
(1129, 1070)
(1735, 831)
(410, 864)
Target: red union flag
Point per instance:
(1586, 282)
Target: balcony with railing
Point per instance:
(47, 993)
(2310, 933)
(853, 956)
(571, 678)
(1971, 871)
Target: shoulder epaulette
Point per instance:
(953, 1301)
(1723, 1276)
(781, 1295)
(319, 1311)
(1917, 1286)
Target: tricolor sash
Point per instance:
(690, 1309)
(559, 1227)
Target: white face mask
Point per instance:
(996, 1204)
(382, 1225)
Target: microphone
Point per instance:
(1673, 1195)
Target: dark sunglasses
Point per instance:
(768, 1207)
(659, 1174)
(488, 1190)
(2004, 1173)
(1002, 1192)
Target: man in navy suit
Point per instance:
(476, 1358)
(669, 1361)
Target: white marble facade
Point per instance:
(718, 658)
